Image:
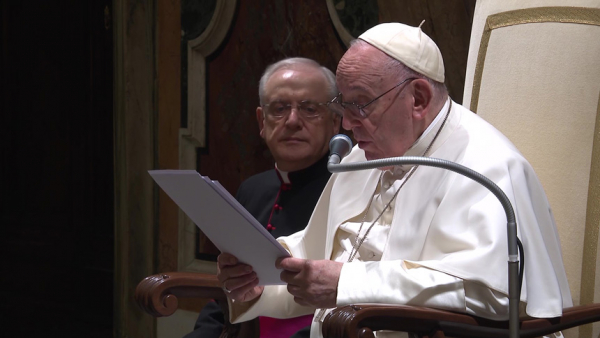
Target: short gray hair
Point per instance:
(291, 63)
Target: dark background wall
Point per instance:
(266, 31)
(56, 169)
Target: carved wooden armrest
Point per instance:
(359, 321)
(157, 294)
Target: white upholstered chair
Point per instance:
(534, 73)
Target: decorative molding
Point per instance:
(198, 50)
(592, 228)
(339, 27)
(134, 144)
(194, 135)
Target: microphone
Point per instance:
(515, 271)
(339, 146)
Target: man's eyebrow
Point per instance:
(359, 87)
(363, 92)
(290, 102)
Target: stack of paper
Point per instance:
(223, 220)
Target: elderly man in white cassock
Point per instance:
(411, 235)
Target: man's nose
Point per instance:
(349, 121)
(293, 117)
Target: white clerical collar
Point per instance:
(285, 178)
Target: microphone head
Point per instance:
(340, 145)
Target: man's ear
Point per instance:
(261, 121)
(423, 94)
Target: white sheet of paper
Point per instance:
(223, 220)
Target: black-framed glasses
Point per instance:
(305, 109)
(358, 110)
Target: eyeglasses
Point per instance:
(358, 110)
(305, 109)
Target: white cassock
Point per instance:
(443, 242)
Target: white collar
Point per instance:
(283, 174)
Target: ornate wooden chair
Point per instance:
(157, 295)
(539, 64)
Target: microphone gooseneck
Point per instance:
(514, 276)
(339, 146)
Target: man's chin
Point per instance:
(295, 154)
(371, 155)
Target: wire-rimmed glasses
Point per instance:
(305, 109)
(358, 110)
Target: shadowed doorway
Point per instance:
(56, 169)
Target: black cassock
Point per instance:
(283, 208)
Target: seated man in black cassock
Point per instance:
(296, 126)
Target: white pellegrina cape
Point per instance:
(443, 223)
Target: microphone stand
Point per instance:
(513, 256)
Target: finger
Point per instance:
(291, 264)
(242, 289)
(234, 271)
(254, 293)
(289, 277)
(294, 290)
(225, 259)
(278, 262)
(239, 282)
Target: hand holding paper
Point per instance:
(237, 279)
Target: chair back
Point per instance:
(534, 72)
